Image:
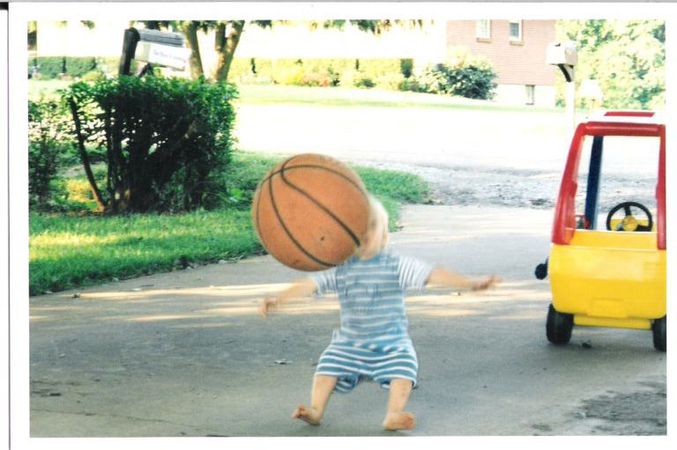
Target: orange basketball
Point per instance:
(310, 212)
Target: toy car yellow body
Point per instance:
(613, 277)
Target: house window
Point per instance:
(483, 29)
(530, 94)
(515, 30)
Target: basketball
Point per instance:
(310, 212)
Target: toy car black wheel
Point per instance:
(558, 326)
(659, 329)
(541, 270)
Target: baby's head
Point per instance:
(376, 236)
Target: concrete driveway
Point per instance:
(185, 354)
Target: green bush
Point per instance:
(47, 68)
(77, 67)
(410, 84)
(50, 143)
(407, 67)
(470, 81)
(311, 72)
(166, 140)
(51, 67)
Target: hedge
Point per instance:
(387, 73)
(51, 67)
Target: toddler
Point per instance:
(373, 341)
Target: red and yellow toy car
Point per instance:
(608, 273)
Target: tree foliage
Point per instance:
(627, 58)
(227, 35)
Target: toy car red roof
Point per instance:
(638, 117)
(624, 123)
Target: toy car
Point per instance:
(608, 273)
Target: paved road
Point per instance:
(441, 137)
(184, 353)
(437, 136)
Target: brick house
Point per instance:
(516, 50)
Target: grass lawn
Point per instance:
(354, 97)
(71, 251)
(334, 96)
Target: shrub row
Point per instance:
(52, 67)
(325, 72)
(468, 78)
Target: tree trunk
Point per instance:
(85, 158)
(190, 29)
(228, 45)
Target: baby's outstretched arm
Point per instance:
(444, 277)
(300, 289)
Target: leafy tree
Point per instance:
(229, 32)
(227, 37)
(627, 58)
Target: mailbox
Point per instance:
(564, 56)
(153, 47)
(562, 53)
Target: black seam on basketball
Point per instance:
(343, 225)
(289, 234)
(314, 166)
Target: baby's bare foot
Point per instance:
(309, 415)
(399, 421)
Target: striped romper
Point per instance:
(373, 341)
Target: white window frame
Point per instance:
(483, 29)
(520, 33)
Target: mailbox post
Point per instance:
(153, 47)
(564, 56)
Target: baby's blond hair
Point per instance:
(377, 224)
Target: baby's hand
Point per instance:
(486, 284)
(268, 304)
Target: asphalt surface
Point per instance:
(185, 353)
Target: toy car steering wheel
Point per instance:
(629, 222)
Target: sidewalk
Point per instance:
(185, 353)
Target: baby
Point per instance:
(373, 341)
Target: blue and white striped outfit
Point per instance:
(373, 340)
